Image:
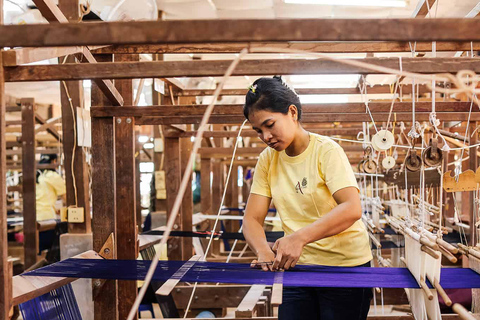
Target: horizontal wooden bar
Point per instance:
(29, 287)
(158, 69)
(380, 89)
(19, 56)
(213, 31)
(386, 317)
(237, 109)
(251, 133)
(316, 46)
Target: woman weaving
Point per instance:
(311, 182)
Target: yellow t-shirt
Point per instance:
(49, 187)
(302, 187)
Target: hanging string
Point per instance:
(184, 183)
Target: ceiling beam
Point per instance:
(307, 109)
(207, 31)
(159, 69)
(53, 14)
(274, 47)
(380, 89)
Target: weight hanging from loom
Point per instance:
(431, 156)
(413, 162)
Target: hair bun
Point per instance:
(279, 78)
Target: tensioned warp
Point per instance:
(301, 275)
(271, 236)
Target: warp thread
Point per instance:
(57, 304)
(300, 276)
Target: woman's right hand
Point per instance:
(264, 260)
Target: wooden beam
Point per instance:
(125, 200)
(313, 118)
(71, 8)
(173, 177)
(104, 201)
(237, 109)
(29, 182)
(50, 11)
(380, 89)
(323, 47)
(125, 177)
(77, 180)
(5, 267)
(187, 203)
(49, 129)
(26, 288)
(246, 308)
(206, 31)
(16, 57)
(205, 192)
(156, 69)
(253, 134)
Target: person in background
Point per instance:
(50, 186)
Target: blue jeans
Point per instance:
(325, 303)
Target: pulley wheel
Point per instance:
(360, 166)
(369, 166)
(388, 162)
(413, 162)
(383, 140)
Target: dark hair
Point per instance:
(46, 159)
(271, 94)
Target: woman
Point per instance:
(311, 182)
(50, 186)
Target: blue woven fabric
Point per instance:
(301, 275)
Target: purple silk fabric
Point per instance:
(301, 275)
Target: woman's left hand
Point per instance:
(288, 250)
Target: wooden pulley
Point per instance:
(413, 162)
(360, 166)
(388, 162)
(369, 166)
(432, 156)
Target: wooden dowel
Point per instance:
(442, 293)
(426, 242)
(474, 253)
(426, 289)
(430, 252)
(448, 255)
(462, 312)
(447, 246)
(375, 240)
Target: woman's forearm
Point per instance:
(255, 235)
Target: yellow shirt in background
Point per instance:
(49, 187)
(302, 187)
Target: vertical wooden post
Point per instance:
(29, 182)
(205, 193)
(245, 187)
(138, 204)
(473, 161)
(125, 188)
(5, 268)
(217, 189)
(126, 207)
(187, 203)
(173, 176)
(104, 197)
(71, 93)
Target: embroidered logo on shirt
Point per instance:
(298, 187)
